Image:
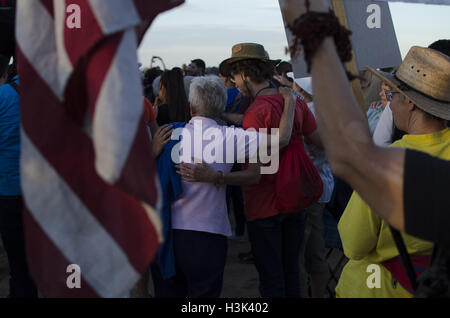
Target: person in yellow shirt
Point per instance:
(366, 237)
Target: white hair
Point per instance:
(208, 96)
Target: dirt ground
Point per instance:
(240, 280)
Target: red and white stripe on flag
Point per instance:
(88, 177)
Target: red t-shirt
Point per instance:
(149, 113)
(265, 112)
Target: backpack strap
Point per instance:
(404, 256)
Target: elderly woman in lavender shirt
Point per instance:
(200, 222)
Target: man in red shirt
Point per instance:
(275, 236)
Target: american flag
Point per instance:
(88, 178)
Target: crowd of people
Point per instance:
(252, 108)
(287, 248)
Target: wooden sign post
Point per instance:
(339, 10)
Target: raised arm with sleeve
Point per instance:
(203, 173)
(374, 172)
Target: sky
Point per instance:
(208, 29)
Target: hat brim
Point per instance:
(225, 66)
(427, 104)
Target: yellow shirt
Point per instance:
(367, 239)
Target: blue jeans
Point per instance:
(11, 229)
(276, 243)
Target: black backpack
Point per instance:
(435, 281)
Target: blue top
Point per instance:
(232, 95)
(9, 140)
(171, 189)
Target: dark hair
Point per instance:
(258, 71)
(200, 63)
(176, 98)
(178, 69)
(4, 65)
(442, 46)
(212, 71)
(7, 23)
(284, 67)
(149, 76)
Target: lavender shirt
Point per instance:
(202, 206)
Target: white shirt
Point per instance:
(202, 206)
(373, 116)
(385, 129)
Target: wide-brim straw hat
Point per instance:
(246, 51)
(424, 78)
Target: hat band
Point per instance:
(417, 91)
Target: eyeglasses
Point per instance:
(390, 95)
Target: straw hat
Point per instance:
(424, 78)
(245, 51)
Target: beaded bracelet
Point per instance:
(312, 28)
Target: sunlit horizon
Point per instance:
(208, 29)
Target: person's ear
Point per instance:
(411, 105)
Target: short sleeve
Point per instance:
(258, 118)
(426, 197)
(149, 113)
(245, 143)
(308, 124)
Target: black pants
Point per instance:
(200, 259)
(276, 243)
(234, 194)
(11, 229)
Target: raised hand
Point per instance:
(287, 93)
(293, 9)
(283, 81)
